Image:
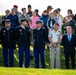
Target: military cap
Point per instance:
(7, 20)
(23, 20)
(15, 6)
(56, 23)
(39, 22)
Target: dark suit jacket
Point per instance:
(69, 46)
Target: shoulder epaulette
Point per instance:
(43, 27)
(17, 26)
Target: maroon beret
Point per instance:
(56, 23)
(15, 6)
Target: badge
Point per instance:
(20, 30)
(4, 31)
(58, 35)
(4, 34)
(20, 33)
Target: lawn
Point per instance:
(31, 70)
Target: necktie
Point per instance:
(69, 37)
(51, 23)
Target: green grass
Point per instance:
(31, 70)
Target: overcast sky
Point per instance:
(39, 4)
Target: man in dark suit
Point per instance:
(69, 43)
(40, 36)
(23, 39)
(8, 43)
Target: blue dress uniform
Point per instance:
(8, 44)
(23, 39)
(40, 36)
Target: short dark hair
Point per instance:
(69, 10)
(36, 10)
(29, 6)
(49, 7)
(58, 9)
(23, 9)
(70, 16)
(45, 11)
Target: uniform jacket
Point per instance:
(23, 36)
(40, 37)
(8, 37)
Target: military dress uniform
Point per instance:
(55, 35)
(23, 40)
(8, 44)
(40, 36)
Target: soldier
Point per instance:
(40, 36)
(8, 43)
(54, 39)
(23, 39)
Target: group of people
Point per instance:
(28, 28)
